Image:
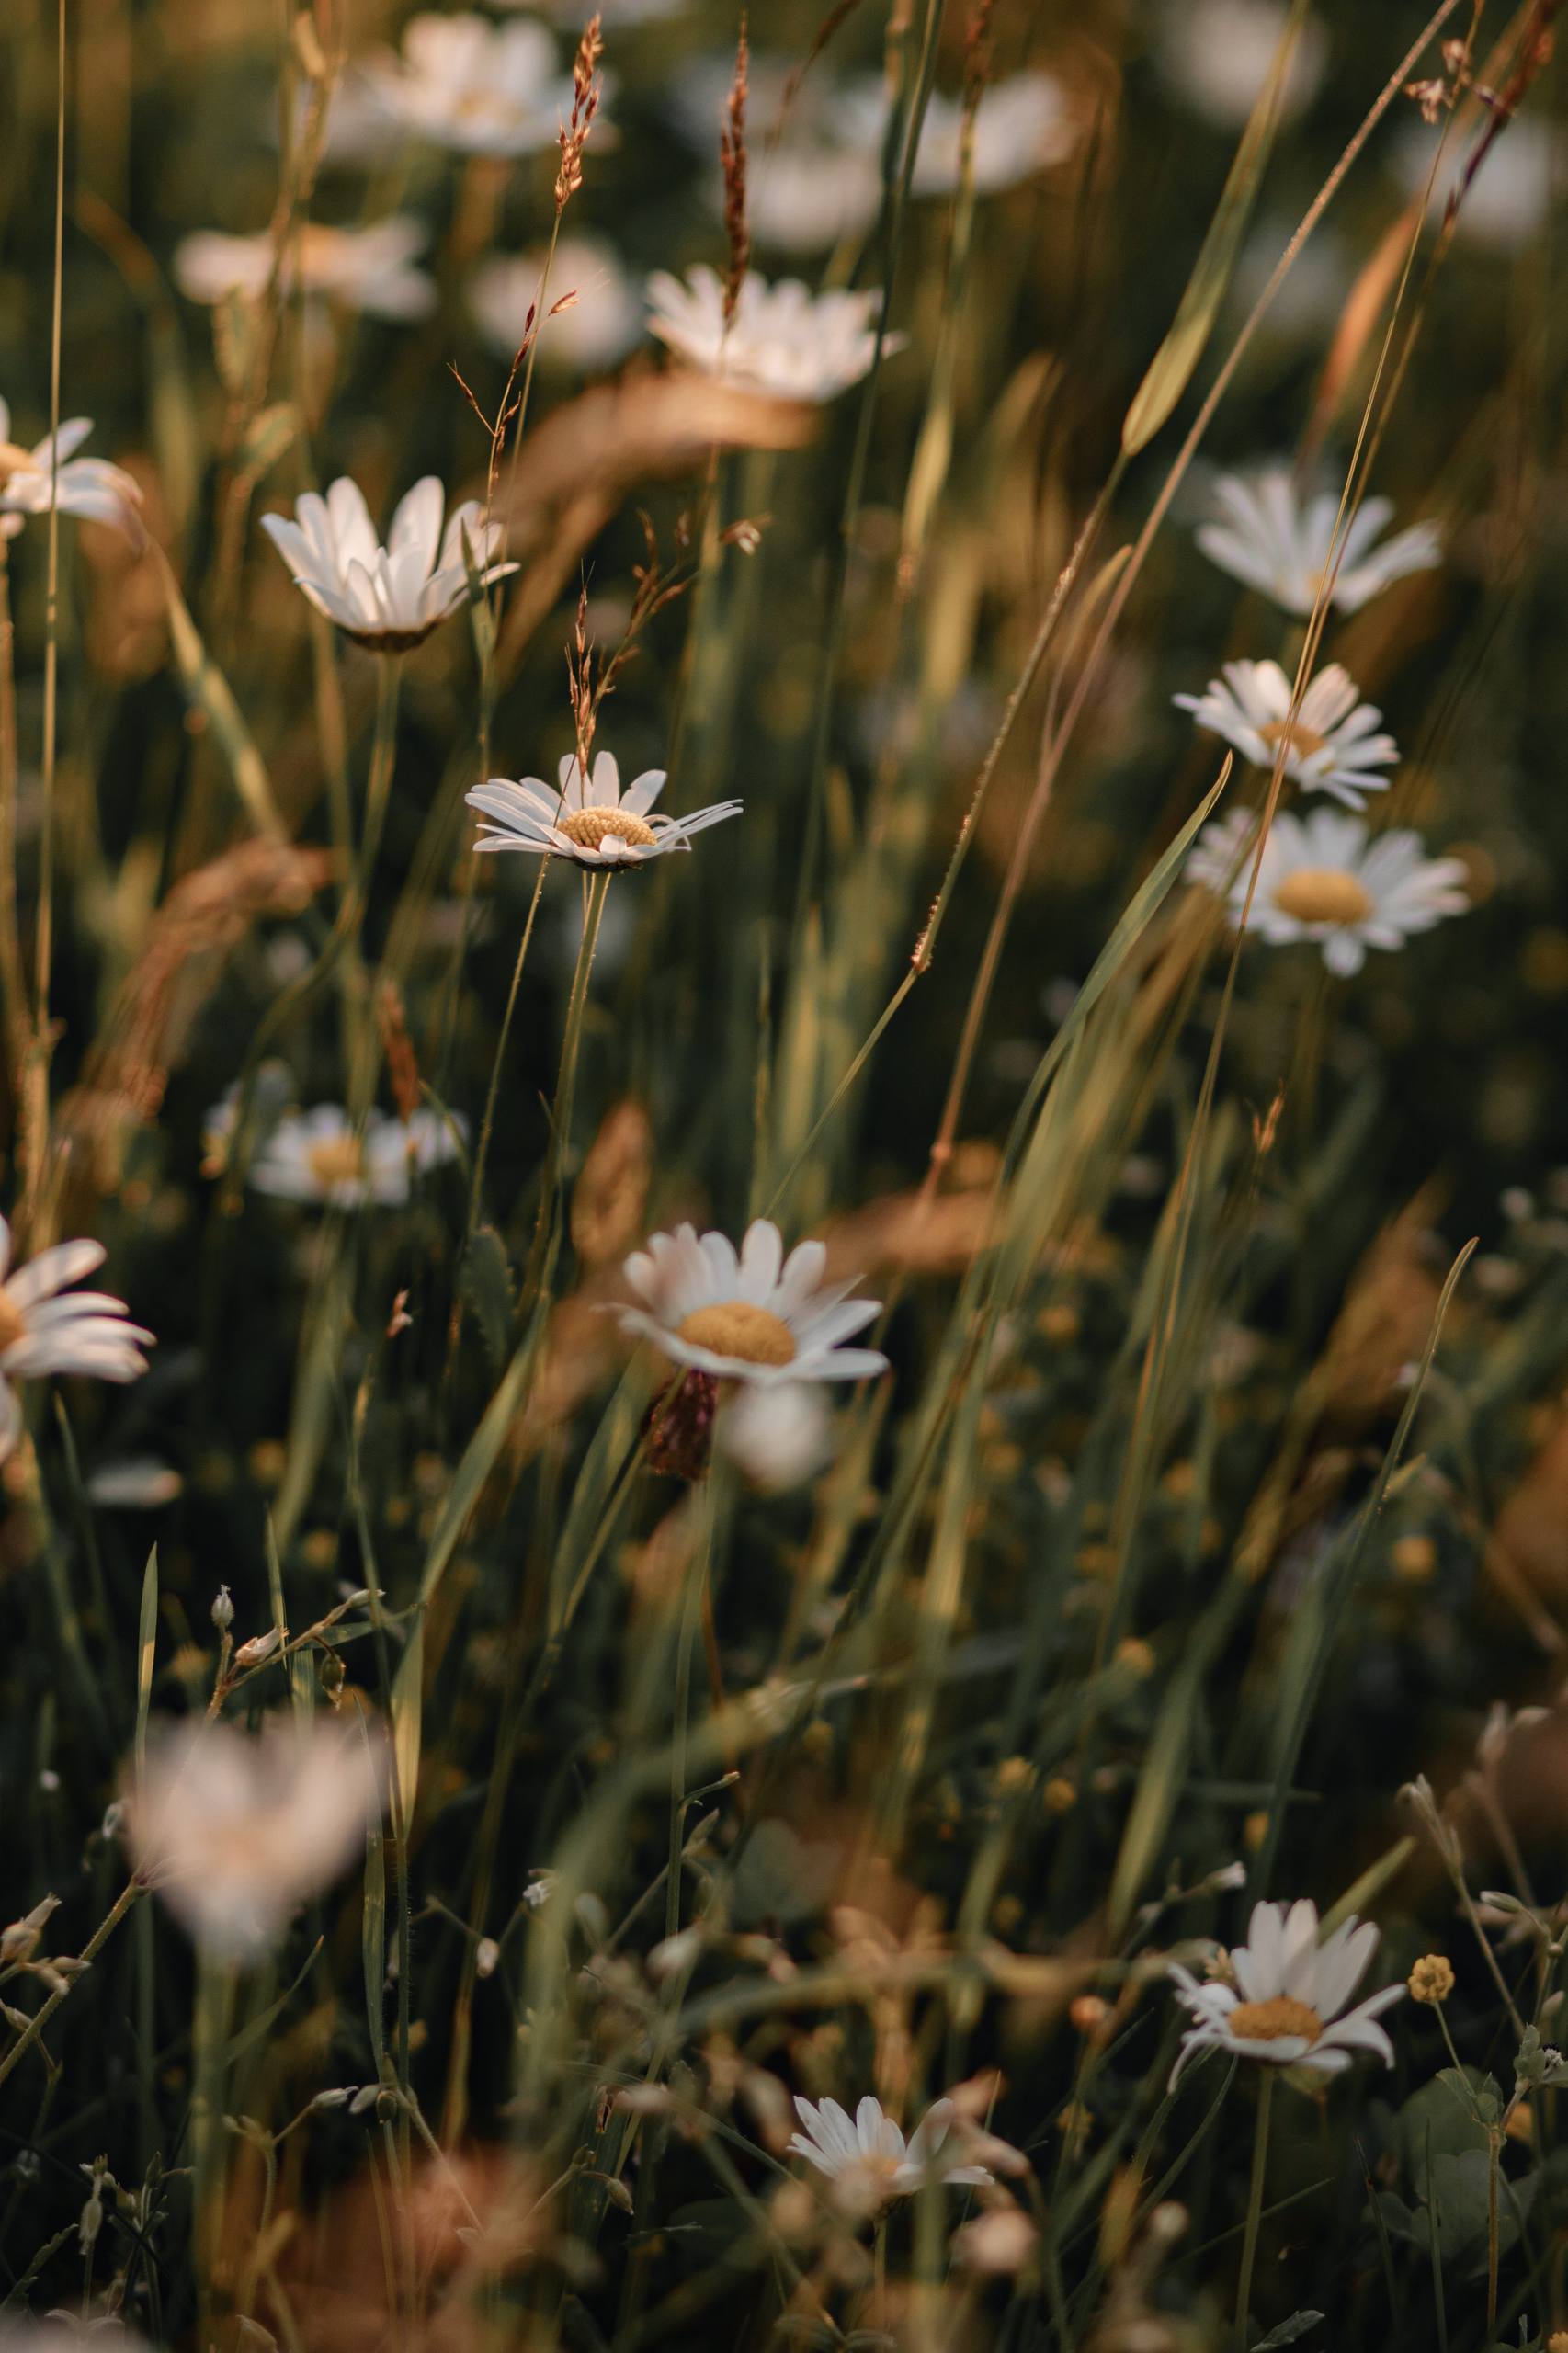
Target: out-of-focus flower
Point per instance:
(1273, 542)
(596, 826)
(1287, 2007)
(235, 1830)
(867, 2158)
(1325, 878)
(592, 314)
(615, 15)
(1330, 743)
(318, 1156)
(482, 90)
(139, 1483)
(1022, 125)
(1517, 188)
(388, 598)
(758, 1317)
(1216, 56)
(779, 1436)
(804, 195)
(783, 339)
(367, 269)
(31, 481)
(45, 1328)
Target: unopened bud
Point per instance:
(224, 1610)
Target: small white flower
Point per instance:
(784, 340)
(597, 828)
(33, 480)
(367, 269)
(1022, 125)
(137, 1483)
(598, 327)
(1322, 878)
(388, 598)
(317, 1156)
(44, 1328)
(868, 2160)
(760, 1317)
(1518, 186)
(1331, 745)
(614, 14)
(1288, 2008)
(779, 1436)
(1216, 54)
(1269, 539)
(482, 90)
(235, 1831)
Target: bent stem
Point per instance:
(1254, 2206)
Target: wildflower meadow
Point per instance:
(784, 1164)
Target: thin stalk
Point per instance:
(38, 1073)
(1254, 2206)
(378, 794)
(541, 1258)
(89, 1953)
(481, 1153)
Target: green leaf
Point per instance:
(208, 691)
(485, 1279)
(1286, 2332)
(1171, 370)
(407, 1715)
(269, 434)
(146, 1653)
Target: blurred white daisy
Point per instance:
(45, 1328)
(1269, 539)
(388, 599)
(759, 1317)
(1520, 182)
(1288, 2005)
(1216, 56)
(1022, 125)
(601, 826)
(804, 195)
(600, 319)
(234, 1831)
(367, 269)
(319, 1157)
(480, 88)
(866, 2159)
(1330, 745)
(33, 480)
(615, 15)
(1323, 878)
(783, 340)
(777, 1437)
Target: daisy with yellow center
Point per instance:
(1325, 878)
(321, 1157)
(595, 824)
(1294, 550)
(1288, 2006)
(865, 2159)
(757, 1317)
(47, 1328)
(1331, 743)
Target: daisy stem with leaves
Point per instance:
(1254, 2203)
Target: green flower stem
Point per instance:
(1254, 2206)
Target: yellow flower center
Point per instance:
(1268, 2021)
(1304, 741)
(734, 1329)
(13, 1322)
(339, 1161)
(588, 827)
(1323, 894)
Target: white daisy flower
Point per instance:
(367, 269)
(1022, 125)
(805, 194)
(760, 1317)
(777, 1437)
(482, 90)
(1323, 878)
(388, 598)
(33, 480)
(234, 1831)
(1330, 744)
(1267, 539)
(1516, 189)
(1216, 56)
(868, 2161)
(317, 1155)
(1288, 2008)
(598, 827)
(784, 340)
(597, 325)
(44, 1328)
(615, 15)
